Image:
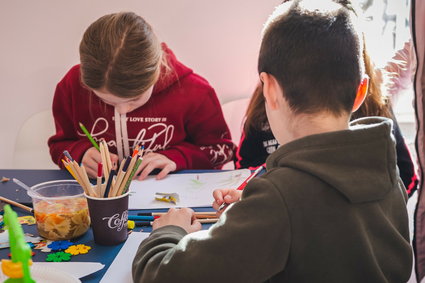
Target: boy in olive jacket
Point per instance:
(331, 207)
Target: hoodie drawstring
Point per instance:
(118, 134)
(125, 135)
(123, 147)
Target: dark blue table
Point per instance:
(98, 253)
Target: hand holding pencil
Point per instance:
(92, 157)
(225, 197)
(117, 182)
(184, 218)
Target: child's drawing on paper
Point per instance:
(233, 180)
(194, 190)
(196, 183)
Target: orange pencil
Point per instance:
(66, 164)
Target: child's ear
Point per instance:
(270, 90)
(361, 94)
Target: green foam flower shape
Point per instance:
(58, 257)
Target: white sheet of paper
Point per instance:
(77, 269)
(194, 190)
(120, 269)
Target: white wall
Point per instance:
(39, 42)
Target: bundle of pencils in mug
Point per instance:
(115, 182)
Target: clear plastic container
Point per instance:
(60, 209)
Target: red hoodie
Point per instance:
(182, 120)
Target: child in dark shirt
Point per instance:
(258, 142)
(331, 206)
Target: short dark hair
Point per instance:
(315, 55)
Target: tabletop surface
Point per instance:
(98, 253)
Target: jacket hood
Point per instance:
(174, 71)
(359, 162)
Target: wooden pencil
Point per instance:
(121, 174)
(210, 220)
(76, 175)
(80, 174)
(83, 128)
(108, 155)
(108, 184)
(205, 216)
(14, 203)
(87, 183)
(127, 174)
(136, 150)
(102, 192)
(124, 189)
(68, 167)
(209, 213)
(114, 180)
(99, 179)
(104, 162)
(149, 223)
(67, 155)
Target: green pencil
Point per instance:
(130, 178)
(89, 136)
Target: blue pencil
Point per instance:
(137, 217)
(109, 184)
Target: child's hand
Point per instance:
(153, 161)
(225, 196)
(184, 217)
(92, 157)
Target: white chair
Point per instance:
(31, 150)
(234, 112)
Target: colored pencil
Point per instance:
(125, 179)
(130, 178)
(66, 153)
(149, 223)
(76, 175)
(14, 203)
(107, 155)
(198, 215)
(89, 136)
(68, 167)
(89, 186)
(78, 172)
(210, 213)
(243, 185)
(210, 220)
(104, 162)
(142, 223)
(137, 217)
(115, 182)
(136, 150)
(109, 183)
(121, 174)
(99, 179)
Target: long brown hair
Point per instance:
(377, 101)
(121, 54)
